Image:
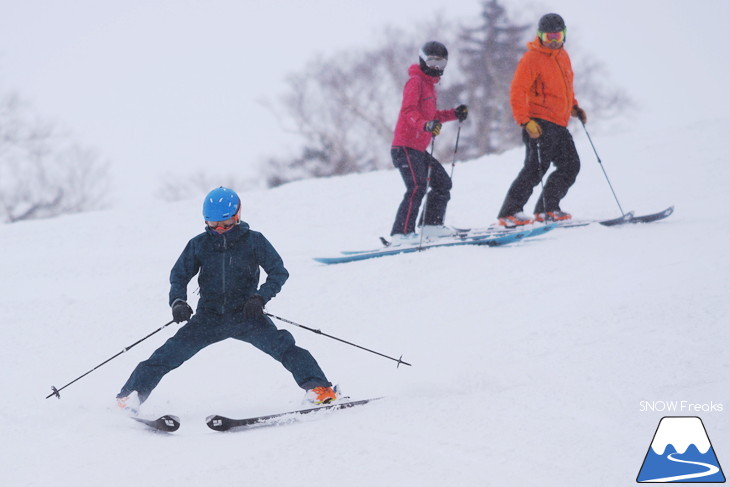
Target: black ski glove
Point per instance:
(254, 307)
(461, 112)
(580, 113)
(433, 126)
(181, 311)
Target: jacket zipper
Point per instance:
(565, 83)
(223, 272)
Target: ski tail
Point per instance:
(167, 423)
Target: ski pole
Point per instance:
(428, 184)
(542, 185)
(456, 148)
(56, 392)
(600, 163)
(319, 332)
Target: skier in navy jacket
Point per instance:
(227, 258)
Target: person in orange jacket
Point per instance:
(543, 101)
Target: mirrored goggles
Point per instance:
(221, 225)
(553, 36)
(437, 62)
(224, 225)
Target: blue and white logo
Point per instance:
(681, 452)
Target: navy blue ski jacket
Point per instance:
(229, 268)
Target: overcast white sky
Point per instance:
(163, 85)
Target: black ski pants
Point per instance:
(414, 169)
(555, 146)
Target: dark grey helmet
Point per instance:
(551, 23)
(433, 57)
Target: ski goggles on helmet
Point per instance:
(552, 36)
(437, 62)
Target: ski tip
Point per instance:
(218, 423)
(653, 216)
(169, 423)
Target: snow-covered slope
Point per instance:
(529, 361)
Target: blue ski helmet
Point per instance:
(220, 204)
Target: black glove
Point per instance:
(580, 113)
(461, 112)
(433, 126)
(254, 307)
(181, 311)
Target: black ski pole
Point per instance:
(319, 332)
(428, 184)
(600, 163)
(542, 185)
(456, 148)
(56, 392)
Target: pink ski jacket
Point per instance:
(418, 107)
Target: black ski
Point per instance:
(222, 423)
(573, 223)
(167, 423)
(627, 218)
(653, 217)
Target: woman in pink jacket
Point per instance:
(420, 120)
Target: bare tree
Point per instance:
(488, 57)
(344, 108)
(596, 93)
(43, 173)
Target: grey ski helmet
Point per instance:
(433, 57)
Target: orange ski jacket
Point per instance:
(542, 86)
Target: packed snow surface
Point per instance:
(530, 362)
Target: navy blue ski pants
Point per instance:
(413, 166)
(556, 147)
(206, 328)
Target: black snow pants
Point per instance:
(556, 146)
(413, 166)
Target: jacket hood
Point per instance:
(415, 70)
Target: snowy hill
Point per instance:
(529, 361)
